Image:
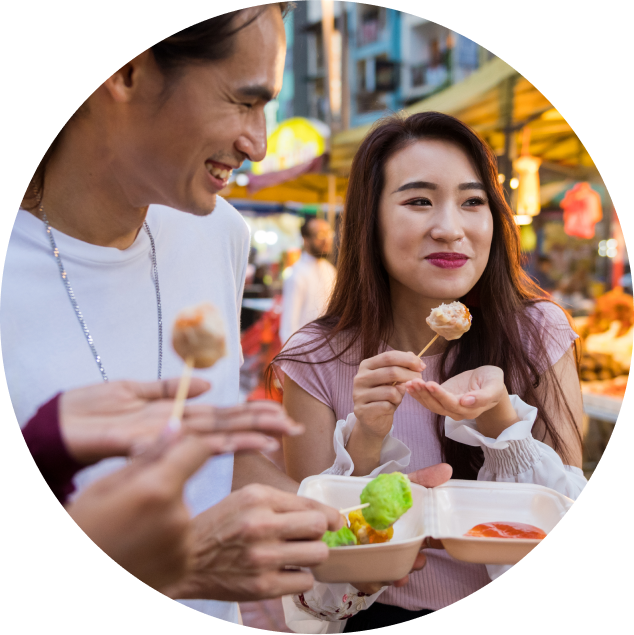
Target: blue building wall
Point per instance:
(388, 44)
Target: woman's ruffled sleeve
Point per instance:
(395, 455)
(516, 457)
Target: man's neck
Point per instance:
(83, 199)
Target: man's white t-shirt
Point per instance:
(305, 293)
(199, 259)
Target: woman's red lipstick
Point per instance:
(448, 260)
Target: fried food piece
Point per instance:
(199, 333)
(342, 538)
(390, 496)
(451, 321)
(365, 534)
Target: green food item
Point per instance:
(390, 496)
(341, 538)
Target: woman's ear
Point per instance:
(126, 81)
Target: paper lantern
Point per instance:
(582, 211)
(528, 202)
(528, 238)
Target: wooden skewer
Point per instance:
(423, 351)
(174, 422)
(351, 509)
(428, 345)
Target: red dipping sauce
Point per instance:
(506, 530)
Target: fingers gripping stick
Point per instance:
(424, 350)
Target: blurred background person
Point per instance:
(543, 274)
(309, 283)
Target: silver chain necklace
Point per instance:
(78, 313)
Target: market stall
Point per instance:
(274, 197)
(607, 336)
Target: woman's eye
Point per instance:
(419, 202)
(475, 201)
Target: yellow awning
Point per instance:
(583, 105)
(308, 188)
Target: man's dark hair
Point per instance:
(305, 228)
(207, 41)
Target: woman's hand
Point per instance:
(478, 394)
(375, 401)
(125, 417)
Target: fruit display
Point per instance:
(608, 388)
(613, 306)
(599, 366)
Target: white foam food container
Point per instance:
(446, 513)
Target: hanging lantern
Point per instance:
(527, 167)
(582, 211)
(528, 238)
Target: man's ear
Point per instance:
(125, 82)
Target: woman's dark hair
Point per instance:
(207, 41)
(360, 302)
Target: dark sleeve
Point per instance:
(39, 570)
(44, 439)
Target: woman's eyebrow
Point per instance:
(416, 185)
(473, 185)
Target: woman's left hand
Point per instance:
(475, 394)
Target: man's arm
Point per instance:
(253, 467)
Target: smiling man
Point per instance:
(122, 227)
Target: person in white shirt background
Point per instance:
(116, 235)
(308, 286)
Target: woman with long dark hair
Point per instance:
(426, 222)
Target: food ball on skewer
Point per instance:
(199, 335)
(365, 533)
(342, 538)
(451, 321)
(390, 496)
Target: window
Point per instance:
(370, 24)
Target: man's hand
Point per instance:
(124, 417)
(246, 543)
(427, 477)
(137, 515)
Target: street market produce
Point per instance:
(506, 530)
(613, 306)
(367, 535)
(342, 538)
(599, 366)
(390, 496)
(199, 335)
(610, 388)
(451, 321)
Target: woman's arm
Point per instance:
(312, 452)
(565, 370)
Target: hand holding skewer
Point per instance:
(449, 320)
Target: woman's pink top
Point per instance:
(443, 580)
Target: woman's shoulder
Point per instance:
(314, 343)
(550, 332)
(546, 315)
